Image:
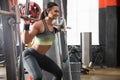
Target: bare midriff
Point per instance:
(41, 49)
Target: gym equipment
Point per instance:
(2, 55)
(75, 53)
(97, 56)
(86, 51)
(71, 70)
(86, 45)
(12, 43)
(67, 75)
(30, 11)
(10, 21)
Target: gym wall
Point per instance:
(109, 22)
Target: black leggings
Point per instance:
(34, 63)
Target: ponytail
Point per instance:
(43, 15)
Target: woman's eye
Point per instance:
(56, 11)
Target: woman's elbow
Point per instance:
(24, 41)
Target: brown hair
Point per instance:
(49, 5)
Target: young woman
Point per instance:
(43, 32)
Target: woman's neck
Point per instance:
(49, 20)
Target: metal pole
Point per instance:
(86, 43)
(3, 12)
(66, 65)
(9, 49)
(20, 67)
(9, 45)
(10, 41)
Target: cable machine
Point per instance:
(11, 36)
(13, 46)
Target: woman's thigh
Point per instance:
(49, 65)
(32, 66)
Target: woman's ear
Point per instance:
(47, 11)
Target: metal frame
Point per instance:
(3, 12)
(11, 36)
(9, 49)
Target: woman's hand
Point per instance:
(26, 19)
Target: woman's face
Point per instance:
(53, 12)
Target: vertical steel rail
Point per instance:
(19, 67)
(64, 38)
(9, 46)
(11, 38)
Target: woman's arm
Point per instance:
(28, 35)
(58, 28)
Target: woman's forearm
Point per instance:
(26, 37)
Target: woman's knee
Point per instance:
(37, 78)
(25, 53)
(59, 75)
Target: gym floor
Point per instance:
(94, 74)
(102, 74)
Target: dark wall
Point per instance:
(109, 22)
(118, 35)
(4, 6)
(102, 29)
(111, 36)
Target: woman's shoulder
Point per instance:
(38, 23)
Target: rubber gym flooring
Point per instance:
(94, 74)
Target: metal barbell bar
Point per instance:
(3, 12)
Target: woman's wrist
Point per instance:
(26, 26)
